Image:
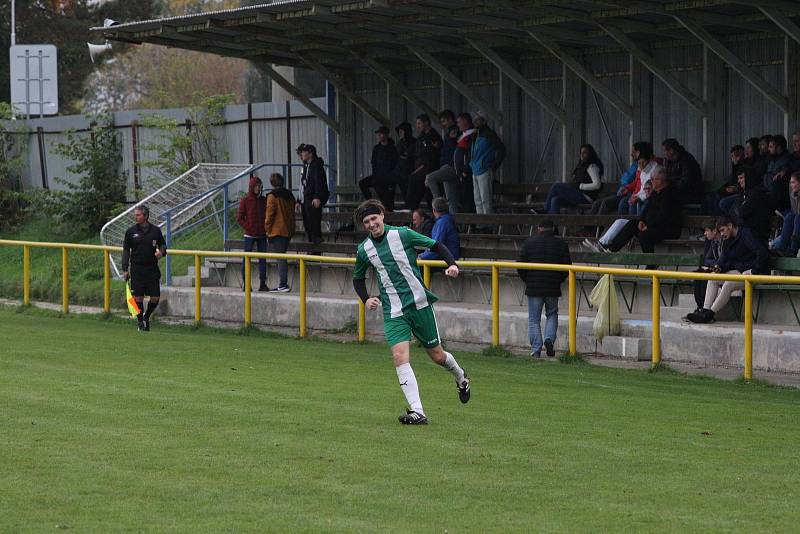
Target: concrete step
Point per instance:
(675, 314)
(627, 348)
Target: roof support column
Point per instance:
(715, 81)
(571, 134)
(791, 76)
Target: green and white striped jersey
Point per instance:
(394, 259)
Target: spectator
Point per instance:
(428, 147)
(279, 224)
(788, 242)
(794, 165)
(444, 230)
(383, 162)
(743, 253)
(584, 186)
(314, 187)
(609, 203)
(641, 187)
(720, 201)
(754, 209)
(683, 172)
(486, 154)
(543, 288)
(776, 180)
(712, 251)
(250, 217)
(754, 158)
(406, 155)
(446, 175)
(602, 244)
(660, 219)
(466, 200)
(421, 222)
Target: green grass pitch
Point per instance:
(103, 429)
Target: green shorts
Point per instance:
(419, 323)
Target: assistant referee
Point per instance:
(142, 248)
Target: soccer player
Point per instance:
(142, 248)
(407, 304)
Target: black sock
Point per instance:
(139, 317)
(150, 307)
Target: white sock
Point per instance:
(451, 365)
(408, 383)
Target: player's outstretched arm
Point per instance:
(444, 253)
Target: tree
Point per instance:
(13, 149)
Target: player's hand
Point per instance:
(373, 303)
(126, 276)
(158, 253)
(316, 203)
(451, 271)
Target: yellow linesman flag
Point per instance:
(133, 307)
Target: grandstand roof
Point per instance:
(337, 33)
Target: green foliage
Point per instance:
(497, 352)
(572, 360)
(179, 147)
(100, 192)
(13, 145)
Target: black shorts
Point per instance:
(145, 281)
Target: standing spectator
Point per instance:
(719, 202)
(743, 253)
(250, 217)
(585, 185)
(660, 219)
(794, 165)
(279, 224)
(755, 208)
(406, 156)
(711, 253)
(754, 158)
(446, 176)
(383, 161)
(683, 172)
(788, 243)
(776, 180)
(428, 148)
(421, 222)
(486, 154)
(543, 288)
(610, 203)
(444, 230)
(466, 199)
(314, 186)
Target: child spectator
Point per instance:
(250, 216)
(279, 224)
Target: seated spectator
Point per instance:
(742, 253)
(466, 199)
(486, 154)
(754, 208)
(717, 203)
(753, 157)
(660, 218)
(429, 144)
(794, 165)
(383, 162)
(543, 288)
(445, 177)
(763, 155)
(602, 244)
(788, 242)
(585, 184)
(683, 172)
(406, 156)
(609, 203)
(421, 222)
(776, 180)
(711, 253)
(279, 224)
(444, 230)
(639, 188)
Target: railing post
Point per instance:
(197, 296)
(426, 275)
(495, 305)
(65, 279)
(107, 281)
(656, 317)
(224, 217)
(573, 316)
(248, 318)
(748, 330)
(302, 298)
(168, 239)
(362, 321)
(26, 275)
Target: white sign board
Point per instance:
(34, 80)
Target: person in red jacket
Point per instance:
(250, 216)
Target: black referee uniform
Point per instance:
(139, 250)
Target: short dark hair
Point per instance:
(440, 205)
(709, 224)
(368, 207)
(547, 224)
(276, 179)
(753, 144)
(737, 148)
(447, 114)
(766, 138)
(671, 144)
(644, 148)
(779, 140)
(143, 208)
(424, 117)
(725, 221)
(465, 116)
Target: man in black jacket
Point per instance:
(755, 206)
(429, 143)
(742, 253)
(406, 156)
(543, 288)
(660, 220)
(383, 161)
(683, 171)
(314, 185)
(142, 247)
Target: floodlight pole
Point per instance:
(13, 26)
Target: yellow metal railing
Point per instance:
(495, 267)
